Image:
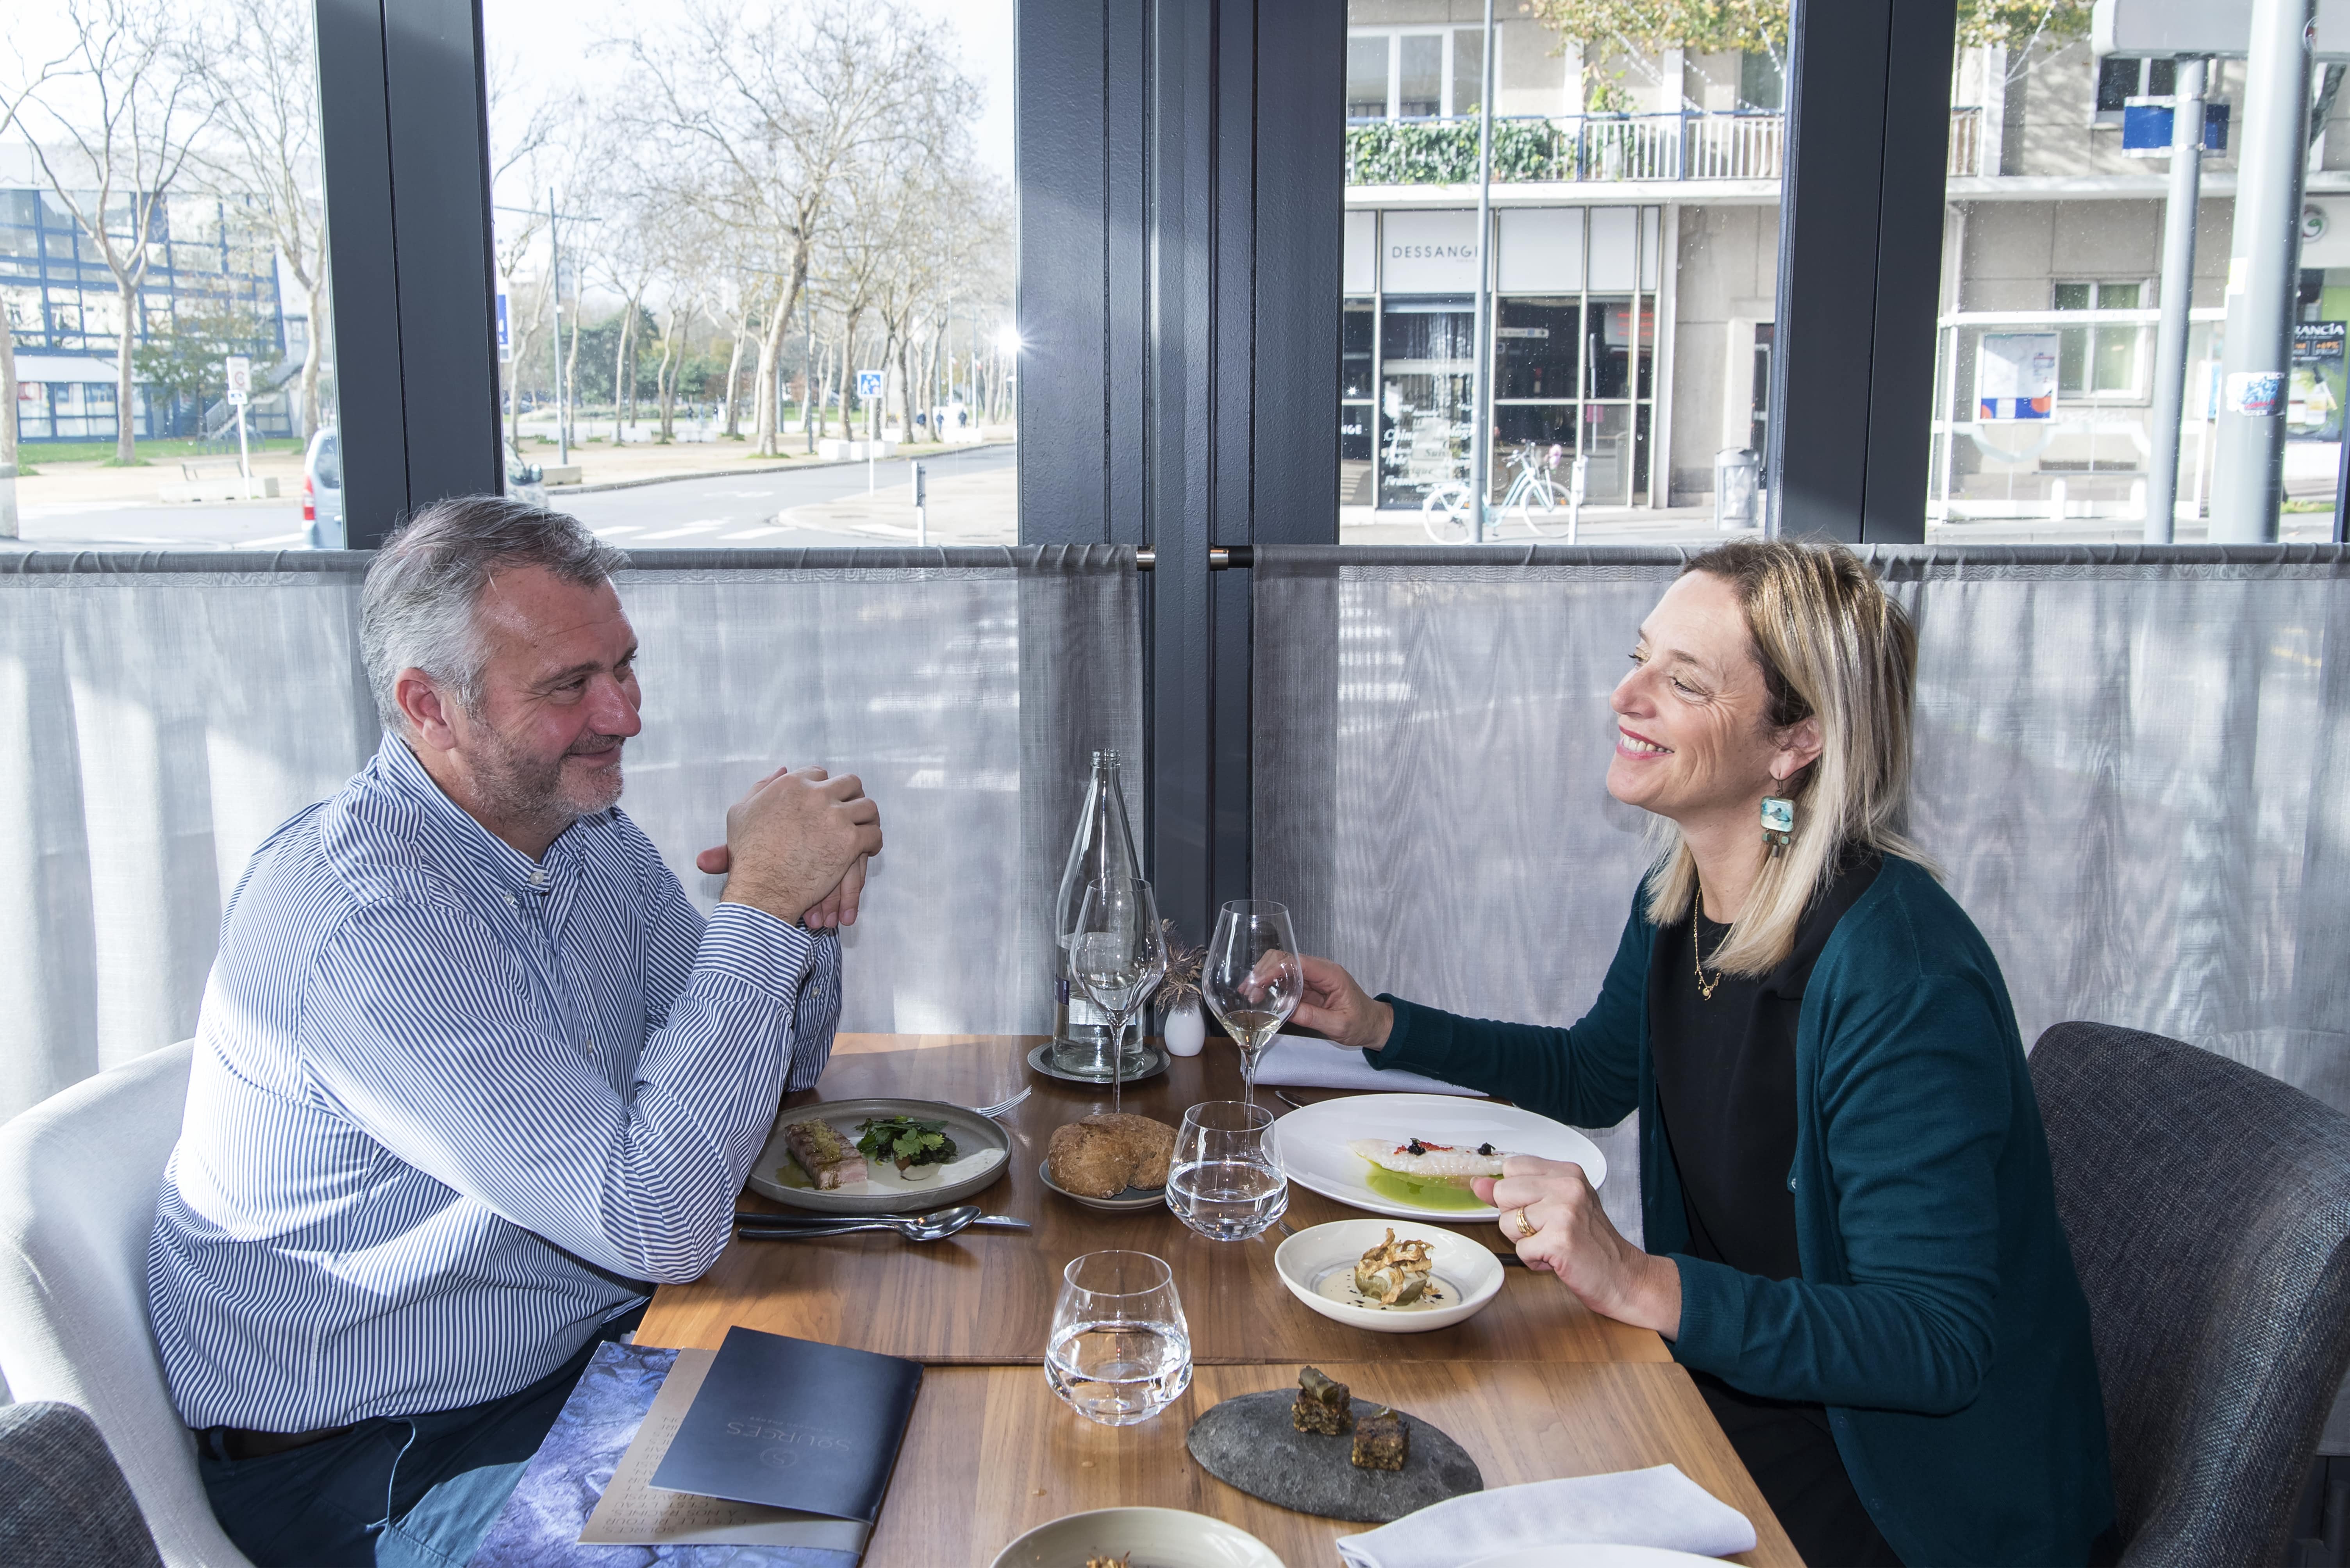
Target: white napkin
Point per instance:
(1658, 1507)
(1300, 1062)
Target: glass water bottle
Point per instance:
(1104, 847)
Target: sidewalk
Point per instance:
(62, 488)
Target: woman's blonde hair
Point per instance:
(1832, 646)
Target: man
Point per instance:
(470, 1067)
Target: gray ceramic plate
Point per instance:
(982, 1154)
(1160, 1537)
(1132, 1197)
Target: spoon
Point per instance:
(936, 1225)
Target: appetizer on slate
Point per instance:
(917, 1148)
(824, 1154)
(1394, 1272)
(1381, 1443)
(1102, 1156)
(1323, 1406)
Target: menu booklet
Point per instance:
(789, 1423)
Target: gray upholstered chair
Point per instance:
(2209, 1209)
(63, 1501)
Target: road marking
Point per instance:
(707, 524)
(614, 533)
(759, 532)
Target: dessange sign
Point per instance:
(1429, 253)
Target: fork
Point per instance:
(1001, 1107)
(1506, 1260)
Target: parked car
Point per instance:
(322, 491)
(524, 481)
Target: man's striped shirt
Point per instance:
(450, 1108)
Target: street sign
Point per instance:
(2146, 127)
(505, 333)
(869, 384)
(237, 400)
(240, 376)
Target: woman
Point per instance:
(1852, 1232)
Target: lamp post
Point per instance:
(1481, 391)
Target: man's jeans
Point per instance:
(398, 1491)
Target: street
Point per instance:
(970, 502)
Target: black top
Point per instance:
(1725, 1074)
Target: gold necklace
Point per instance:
(1705, 988)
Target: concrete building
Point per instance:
(1635, 262)
(65, 311)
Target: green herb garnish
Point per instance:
(904, 1140)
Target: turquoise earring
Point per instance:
(1778, 823)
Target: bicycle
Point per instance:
(1445, 514)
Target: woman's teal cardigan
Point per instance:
(1938, 1316)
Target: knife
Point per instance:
(746, 1220)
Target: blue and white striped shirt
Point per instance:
(450, 1106)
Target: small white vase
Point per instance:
(1185, 1031)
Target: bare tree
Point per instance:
(126, 109)
(13, 96)
(783, 107)
(521, 132)
(265, 115)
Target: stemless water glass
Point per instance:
(1225, 1180)
(1252, 978)
(1120, 1351)
(1118, 952)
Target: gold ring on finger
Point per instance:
(1525, 1230)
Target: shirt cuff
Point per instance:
(1416, 1041)
(752, 945)
(1713, 1315)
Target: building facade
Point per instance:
(211, 285)
(1635, 255)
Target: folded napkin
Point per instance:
(1299, 1062)
(1659, 1507)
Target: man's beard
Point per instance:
(522, 787)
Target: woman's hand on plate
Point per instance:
(1338, 1010)
(1573, 1238)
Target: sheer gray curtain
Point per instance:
(159, 715)
(2129, 767)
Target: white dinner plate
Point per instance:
(1595, 1555)
(1156, 1537)
(1314, 1145)
(1306, 1260)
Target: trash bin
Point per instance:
(1737, 471)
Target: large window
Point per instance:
(2051, 287)
(754, 262)
(1631, 263)
(163, 275)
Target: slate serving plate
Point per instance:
(1248, 1442)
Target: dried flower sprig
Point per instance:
(1183, 963)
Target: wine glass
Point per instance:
(1226, 1180)
(1120, 1350)
(1252, 978)
(1118, 952)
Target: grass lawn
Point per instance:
(33, 451)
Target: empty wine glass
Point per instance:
(1120, 1350)
(1226, 1180)
(1118, 952)
(1252, 978)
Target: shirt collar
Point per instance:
(504, 863)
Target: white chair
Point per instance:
(79, 1174)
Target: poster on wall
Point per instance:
(2314, 402)
(2016, 376)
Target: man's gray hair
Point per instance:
(417, 609)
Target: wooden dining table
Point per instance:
(1534, 1387)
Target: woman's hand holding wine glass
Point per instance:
(1252, 978)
